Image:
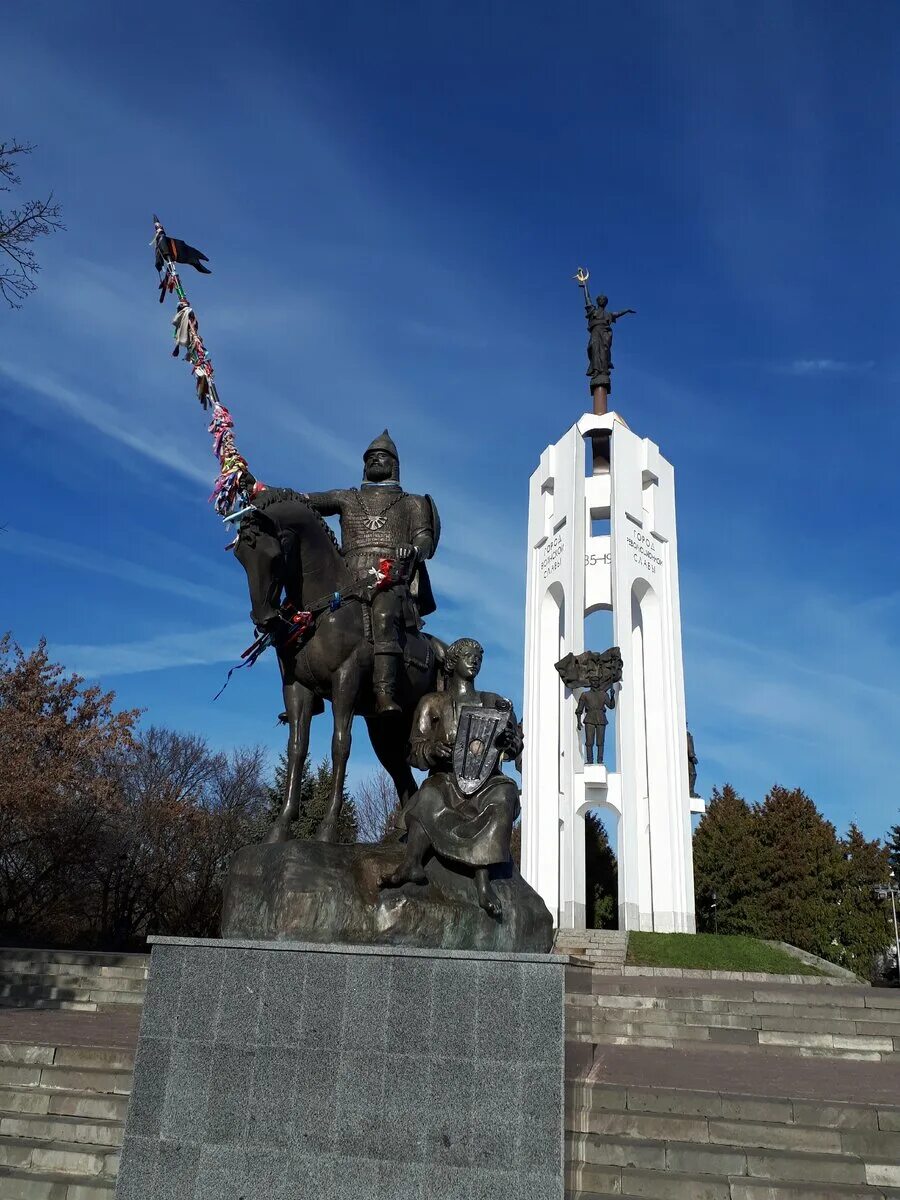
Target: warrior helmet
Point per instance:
(383, 442)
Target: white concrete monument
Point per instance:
(601, 535)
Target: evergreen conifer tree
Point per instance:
(893, 850)
(726, 866)
(862, 919)
(802, 871)
(315, 789)
(601, 876)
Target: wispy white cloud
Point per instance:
(201, 647)
(104, 418)
(827, 366)
(89, 558)
(805, 706)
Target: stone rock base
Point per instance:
(284, 1072)
(315, 892)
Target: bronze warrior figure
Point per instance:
(591, 713)
(465, 809)
(379, 521)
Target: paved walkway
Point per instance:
(54, 1027)
(755, 1073)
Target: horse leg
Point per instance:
(298, 703)
(390, 745)
(343, 699)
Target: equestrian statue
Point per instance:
(345, 622)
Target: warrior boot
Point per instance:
(384, 682)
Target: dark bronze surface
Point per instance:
(600, 337)
(692, 765)
(599, 673)
(310, 892)
(366, 646)
(445, 818)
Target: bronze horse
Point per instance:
(291, 556)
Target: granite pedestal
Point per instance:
(289, 1071)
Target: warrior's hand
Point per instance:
(511, 741)
(405, 552)
(438, 754)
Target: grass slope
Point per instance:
(712, 952)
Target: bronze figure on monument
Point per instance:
(379, 521)
(600, 337)
(345, 621)
(590, 714)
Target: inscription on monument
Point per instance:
(644, 551)
(551, 555)
(598, 560)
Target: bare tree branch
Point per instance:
(20, 228)
(377, 808)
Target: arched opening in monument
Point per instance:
(648, 699)
(601, 875)
(550, 694)
(598, 635)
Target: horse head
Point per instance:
(281, 544)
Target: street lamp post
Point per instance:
(892, 890)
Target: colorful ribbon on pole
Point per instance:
(235, 484)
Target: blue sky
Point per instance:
(393, 199)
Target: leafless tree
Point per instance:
(20, 228)
(377, 811)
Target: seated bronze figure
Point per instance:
(464, 811)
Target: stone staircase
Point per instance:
(603, 949)
(681, 1144)
(677, 1088)
(67, 979)
(62, 1116)
(809, 1020)
(731, 1089)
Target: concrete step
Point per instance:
(83, 991)
(822, 1035)
(857, 1024)
(686, 1158)
(115, 969)
(600, 938)
(86, 981)
(66, 1078)
(65, 1158)
(58, 1128)
(50, 1185)
(675, 1142)
(785, 1046)
(88, 958)
(71, 980)
(739, 1137)
(15, 970)
(60, 998)
(671, 1185)
(63, 1102)
(814, 991)
(62, 1117)
(764, 1020)
(788, 1001)
(869, 1117)
(54, 1004)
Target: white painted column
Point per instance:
(632, 570)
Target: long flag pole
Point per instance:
(235, 486)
